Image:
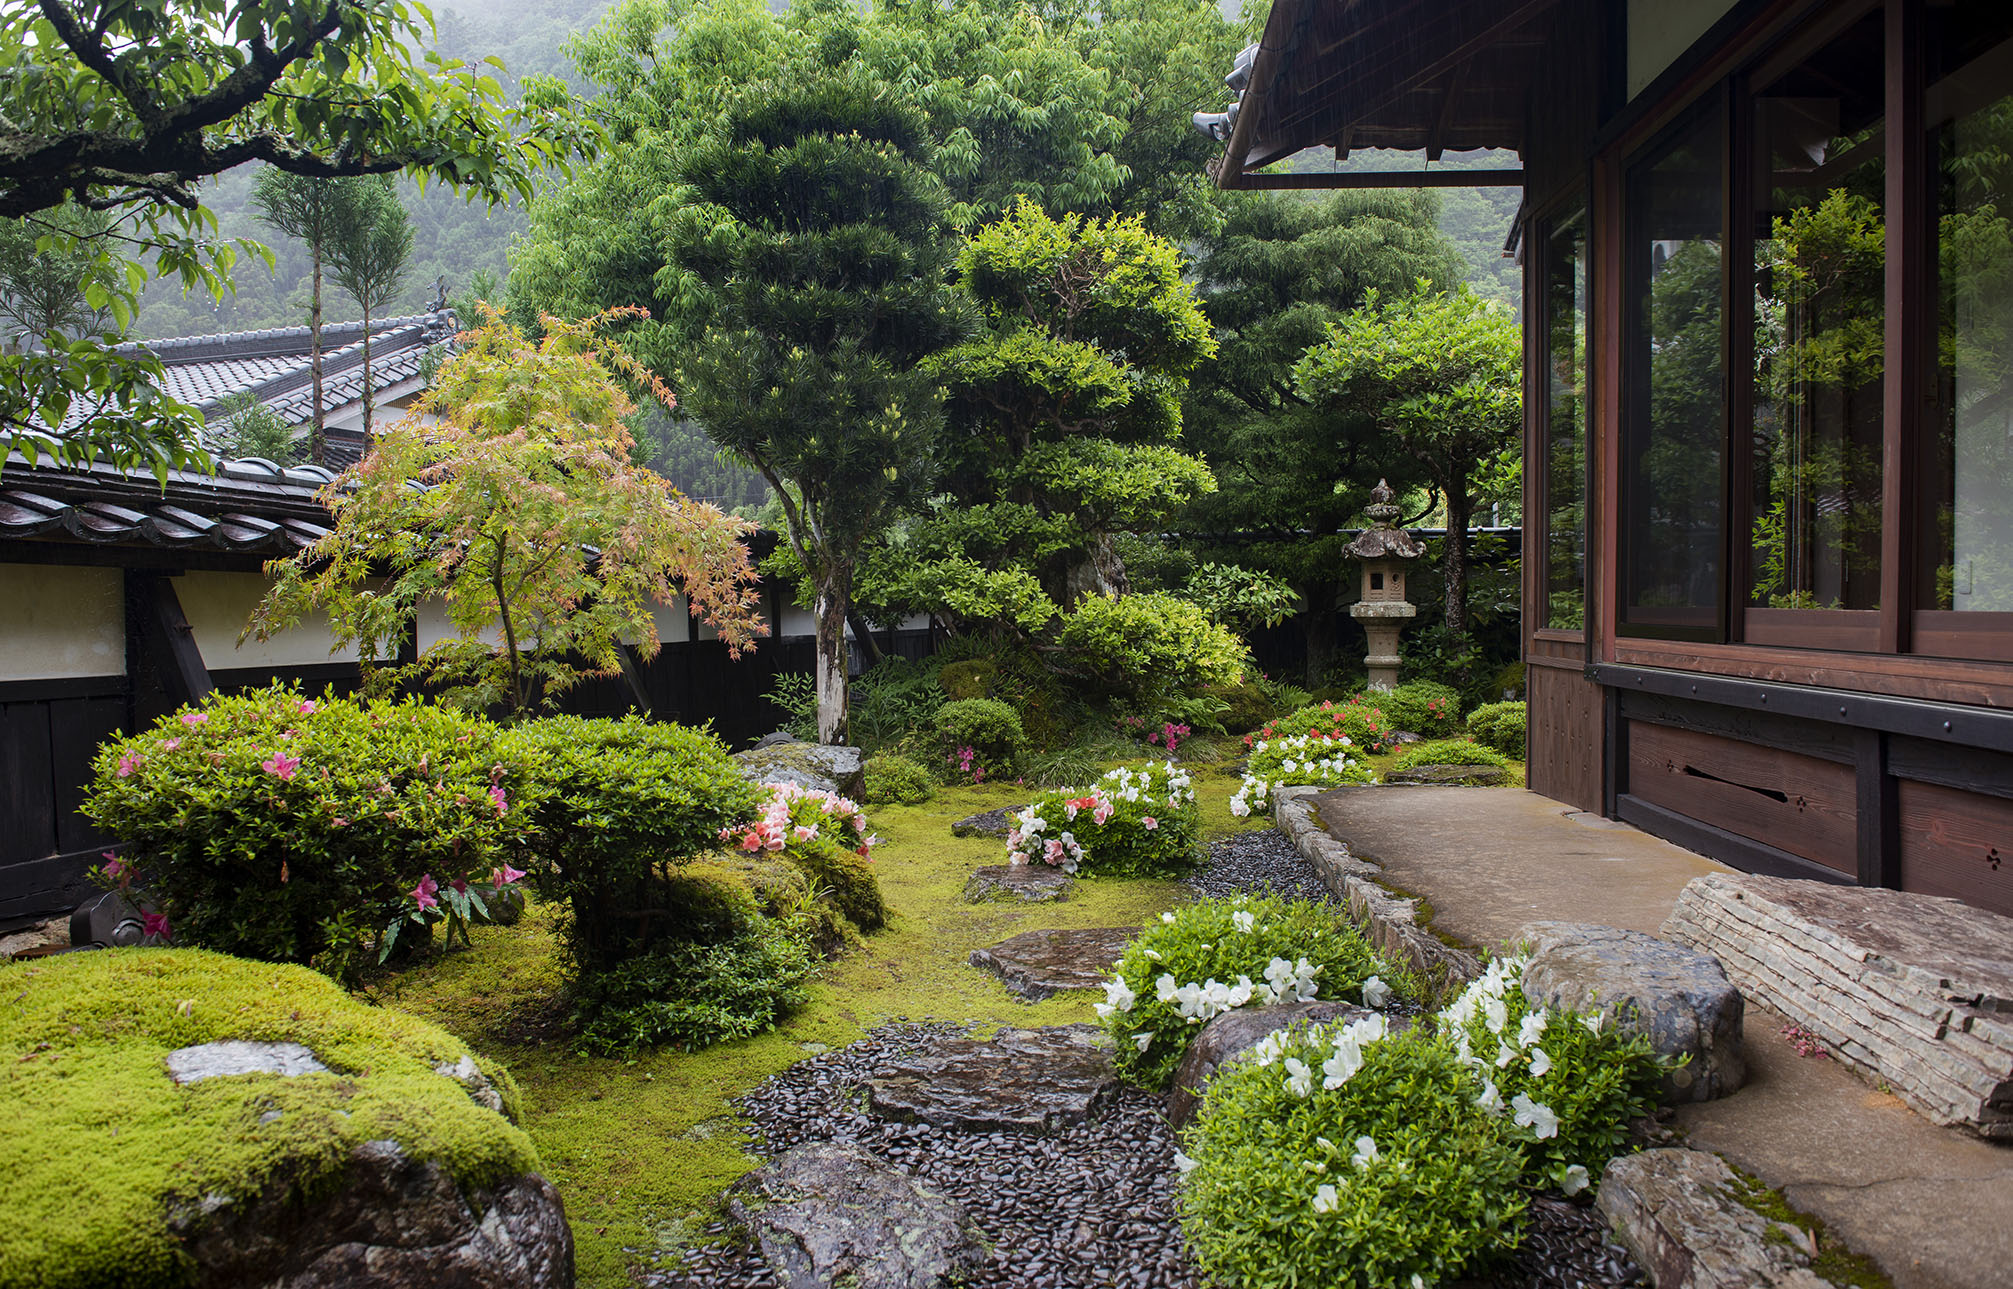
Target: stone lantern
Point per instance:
(1385, 550)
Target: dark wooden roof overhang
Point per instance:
(1411, 75)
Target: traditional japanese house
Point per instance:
(1768, 321)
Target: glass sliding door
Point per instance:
(1565, 428)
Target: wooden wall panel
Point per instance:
(1794, 803)
(1564, 717)
(1957, 843)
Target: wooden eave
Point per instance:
(1409, 75)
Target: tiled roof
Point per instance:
(250, 506)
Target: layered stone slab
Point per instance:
(1915, 990)
(1023, 883)
(1038, 964)
(1676, 1211)
(1021, 1080)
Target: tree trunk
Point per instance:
(367, 400)
(835, 597)
(1321, 618)
(865, 635)
(317, 443)
(1458, 510)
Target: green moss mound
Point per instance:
(1500, 726)
(104, 1145)
(894, 780)
(845, 879)
(1450, 751)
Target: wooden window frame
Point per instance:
(1538, 508)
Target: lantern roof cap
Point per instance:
(1383, 539)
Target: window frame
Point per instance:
(1572, 207)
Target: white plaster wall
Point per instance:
(1660, 30)
(801, 622)
(58, 622)
(217, 606)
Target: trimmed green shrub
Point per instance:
(1216, 955)
(1565, 1086)
(1363, 723)
(1448, 751)
(1307, 759)
(895, 780)
(274, 826)
(1347, 1156)
(1246, 706)
(631, 800)
(1149, 646)
(971, 678)
(979, 738)
(1131, 823)
(1500, 726)
(843, 877)
(691, 994)
(1422, 707)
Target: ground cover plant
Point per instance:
(1135, 821)
(276, 826)
(1451, 751)
(1217, 955)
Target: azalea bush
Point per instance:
(1565, 1086)
(1213, 956)
(1423, 707)
(895, 780)
(1150, 646)
(271, 825)
(1349, 1156)
(1358, 719)
(825, 835)
(1304, 759)
(978, 739)
(1133, 822)
(1500, 726)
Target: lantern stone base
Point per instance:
(1381, 624)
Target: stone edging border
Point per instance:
(1390, 921)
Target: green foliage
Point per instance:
(843, 877)
(259, 820)
(895, 780)
(1240, 598)
(533, 527)
(42, 274)
(1387, 1177)
(369, 255)
(89, 1036)
(1359, 719)
(631, 801)
(1246, 706)
(1133, 822)
(253, 429)
(1149, 647)
(1423, 707)
(987, 728)
(971, 678)
(1320, 760)
(1569, 1086)
(1500, 726)
(796, 692)
(691, 994)
(1216, 955)
(1449, 751)
(892, 701)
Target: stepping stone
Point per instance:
(1225, 1038)
(1676, 1211)
(992, 823)
(1452, 776)
(1916, 990)
(830, 1213)
(1678, 997)
(1022, 1080)
(1027, 883)
(1038, 964)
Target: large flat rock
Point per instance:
(1020, 883)
(1038, 964)
(830, 1213)
(1230, 1035)
(823, 767)
(1675, 1210)
(989, 823)
(1676, 996)
(1912, 990)
(1020, 1080)
(1452, 776)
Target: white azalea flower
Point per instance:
(1535, 1116)
(1574, 1179)
(1299, 1078)
(1366, 1153)
(1167, 917)
(1184, 1163)
(1325, 1198)
(1143, 1039)
(1495, 1015)
(1243, 921)
(1541, 1063)
(1375, 992)
(1164, 988)
(1532, 1029)
(1491, 1100)
(1342, 1066)
(1119, 995)
(1593, 1022)
(1504, 1055)
(1152, 955)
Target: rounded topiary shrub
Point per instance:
(1148, 646)
(978, 739)
(1450, 751)
(271, 825)
(970, 678)
(1245, 706)
(1217, 955)
(1133, 822)
(1423, 707)
(1500, 726)
(1347, 1156)
(895, 780)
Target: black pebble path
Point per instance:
(1089, 1207)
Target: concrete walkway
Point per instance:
(1932, 1205)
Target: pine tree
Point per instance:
(369, 258)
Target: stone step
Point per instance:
(1038, 964)
(1021, 1080)
(1022, 883)
(1915, 990)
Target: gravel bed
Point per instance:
(1258, 862)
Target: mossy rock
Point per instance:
(972, 678)
(846, 879)
(783, 891)
(120, 1175)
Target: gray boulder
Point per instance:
(990, 823)
(243, 1056)
(823, 767)
(1232, 1034)
(1677, 996)
(1452, 776)
(1020, 1080)
(1025, 883)
(1677, 1212)
(1039, 964)
(830, 1213)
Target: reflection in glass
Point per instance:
(1566, 426)
(1672, 440)
(1967, 511)
(1819, 291)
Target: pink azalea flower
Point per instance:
(115, 868)
(195, 718)
(1102, 813)
(127, 764)
(753, 841)
(503, 875)
(154, 925)
(806, 832)
(169, 745)
(424, 894)
(1149, 823)
(497, 799)
(306, 708)
(281, 766)
(461, 886)
(726, 832)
